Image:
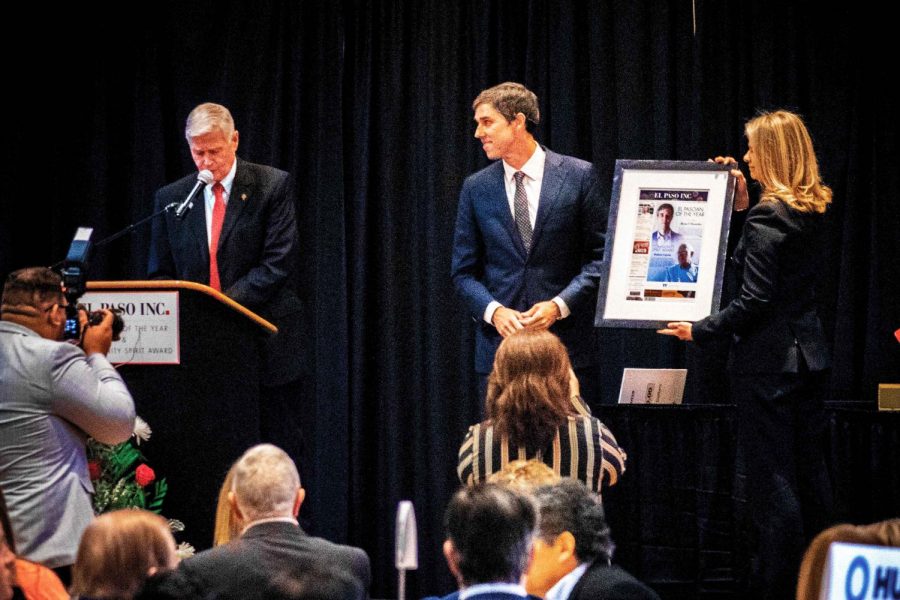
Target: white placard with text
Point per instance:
(652, 386)
(857, 572)
(151, 335)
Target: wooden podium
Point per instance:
(204, 411)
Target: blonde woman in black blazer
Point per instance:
(779, 357)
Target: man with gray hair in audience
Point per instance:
(274, 557)
(573, 549)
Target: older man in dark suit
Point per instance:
(573, 549)
(529, 239)
(274, 557)
(241, 239)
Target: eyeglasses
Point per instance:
(53, 306)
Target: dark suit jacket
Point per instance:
(605, 581)
(256, 256)
(279, 560)
(773, 321)
(490, 262)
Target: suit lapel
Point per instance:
(240, 195)
(554, 177)
(500, 204)
(196, 225)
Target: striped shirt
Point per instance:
(583, 448)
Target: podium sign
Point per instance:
(151, 333)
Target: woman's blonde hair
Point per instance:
(228, 525)
(118, 551)
(528, 388)
(524, 475)
(785, 162)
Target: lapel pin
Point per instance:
(243, 197)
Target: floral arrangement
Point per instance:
(123, 479)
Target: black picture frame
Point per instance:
(653, 273)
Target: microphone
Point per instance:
(204, 177)
(406, 545)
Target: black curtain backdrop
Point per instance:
(368, 105)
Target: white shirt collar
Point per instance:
(209, 198)
(562, 589)
(533, 168)
(291, 520)
(229, 179)
(492, 588)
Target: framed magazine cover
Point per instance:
(667, 238)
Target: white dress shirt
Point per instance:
(492, 588)
(209, 198)
(534, 178)
(562, 589)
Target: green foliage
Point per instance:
(116, 487)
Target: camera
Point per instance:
(95, 317)
(74, 276)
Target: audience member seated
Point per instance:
(488, 547)
(884, 533)
(273, 557)
(524, 475)
(118, 551)
(25, 579)
(227, 526)
(573, 549)
(531, 413)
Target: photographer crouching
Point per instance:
(53, 395)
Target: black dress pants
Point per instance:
(781, 427)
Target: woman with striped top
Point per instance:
(533, 411)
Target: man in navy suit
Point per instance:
(529, 236)
(489, 542)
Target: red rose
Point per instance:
(144, 475)
(94, 469)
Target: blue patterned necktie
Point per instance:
(520, 208)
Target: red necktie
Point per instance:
(218, 217)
